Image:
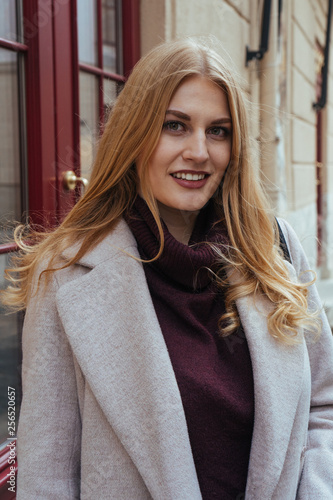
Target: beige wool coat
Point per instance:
(102, 415)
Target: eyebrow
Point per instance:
(184, 116)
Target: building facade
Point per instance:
(63, 62)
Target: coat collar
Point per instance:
(113, 330)
(125, 361)
(278, 379)
(120, 240)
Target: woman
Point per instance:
(164, 351)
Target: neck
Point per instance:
(180, 223)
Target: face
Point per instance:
(194, 148)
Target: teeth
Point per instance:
(189, 177)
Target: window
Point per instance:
(13, 200)
(101, 67)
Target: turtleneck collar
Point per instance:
(187, 265)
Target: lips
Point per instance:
(188, 176)
(189, 179)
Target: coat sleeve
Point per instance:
(49, 430)
(317, 477)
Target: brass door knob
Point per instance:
(70, 181)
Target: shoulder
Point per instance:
(304, 273)
(289, 233)
(298, 257)
(119, 240)
(287, 229)
(117, 245)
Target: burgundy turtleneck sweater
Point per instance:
(214, 375)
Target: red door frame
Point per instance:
(40, 106)
(52, 99)
(65, 102)
(52, 105)
(131, 34)
(49, 87)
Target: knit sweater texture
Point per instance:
(214, 374)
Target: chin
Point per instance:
(183, 205)
(194, 206)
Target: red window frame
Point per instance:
(22, 49)
(98, 71)
(130, 52)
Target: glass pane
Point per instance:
(110, 92)
(89, 121)
(87, 31)
(8, 28)
(20, 19)
(109, 23)
(10, 188)
(10, 359)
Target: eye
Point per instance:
(173, 126)
(219, 132)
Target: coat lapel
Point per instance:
(111, 324)
(112, 327)
(278, 377)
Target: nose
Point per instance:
(195, 148)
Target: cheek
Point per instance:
(158, 157)
(221, 160)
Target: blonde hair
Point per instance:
(133, 130)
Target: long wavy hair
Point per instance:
(132, 131)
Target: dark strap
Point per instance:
(283, 244)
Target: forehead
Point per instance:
(197, 91)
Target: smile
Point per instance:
(189, 177)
